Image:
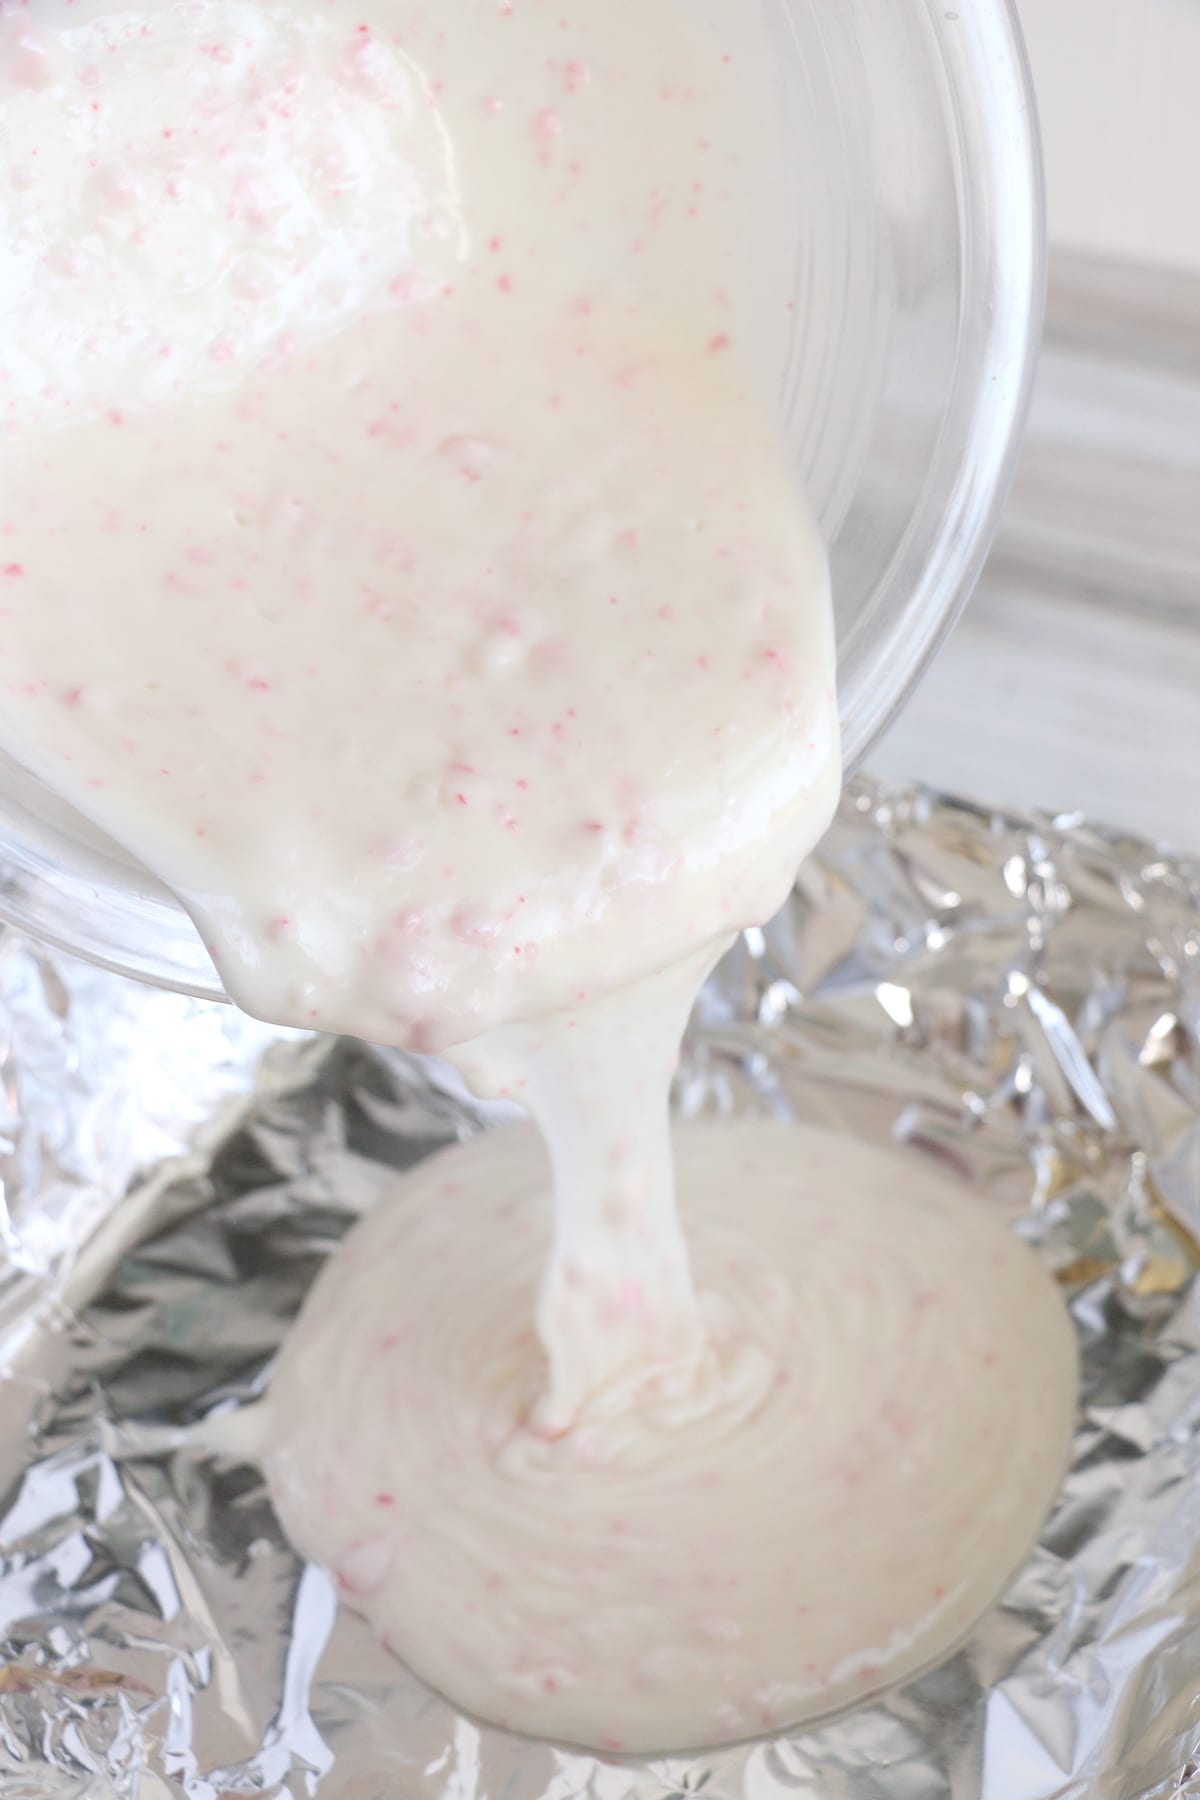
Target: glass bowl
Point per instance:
(909, 211)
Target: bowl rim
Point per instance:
(1002, 312)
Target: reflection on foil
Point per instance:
(1014, 999)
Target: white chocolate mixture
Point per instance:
(483, 653)
(398, 556)
(828, 1501)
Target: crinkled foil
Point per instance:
(1017, 999)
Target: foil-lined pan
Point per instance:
(1015, 999)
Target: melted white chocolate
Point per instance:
(394, 553)
(824, 1501)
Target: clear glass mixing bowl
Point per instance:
(909, 207)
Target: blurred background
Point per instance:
(1074, 679)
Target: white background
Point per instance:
(1119, 92)
(1053, 692)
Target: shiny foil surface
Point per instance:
(1015, 999)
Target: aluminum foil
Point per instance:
(1017, 999)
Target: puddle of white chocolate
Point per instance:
(397, 555)
(826, 1503)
